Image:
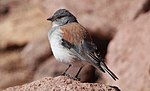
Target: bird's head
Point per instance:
(62, 17)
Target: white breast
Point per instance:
(61, 54)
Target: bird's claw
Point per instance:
(75, 78)
(71, 77)
(65, 74)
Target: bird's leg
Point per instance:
(76, 76)
(64, 73)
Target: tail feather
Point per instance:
(105, 68)
(98, 63)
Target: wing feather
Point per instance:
(75, 33)
(77, 40)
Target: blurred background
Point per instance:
(120, 28)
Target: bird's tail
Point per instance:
(104, 68)
(97, 62)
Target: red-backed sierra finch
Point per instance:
(71, 43)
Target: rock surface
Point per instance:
(61, 84)
(128, 55)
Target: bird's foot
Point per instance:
(75, 78)
(65, 74)
(71, 77)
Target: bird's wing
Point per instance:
(78, 40)
(76, 37)
(74, 33)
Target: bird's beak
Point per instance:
(50, 19)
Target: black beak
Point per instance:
(50, 19)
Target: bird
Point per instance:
(72, 44)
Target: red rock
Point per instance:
(61, 84)
(128, 55)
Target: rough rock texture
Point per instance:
(61, 84)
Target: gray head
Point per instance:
(62, 17)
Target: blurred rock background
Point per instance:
(120, 28)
